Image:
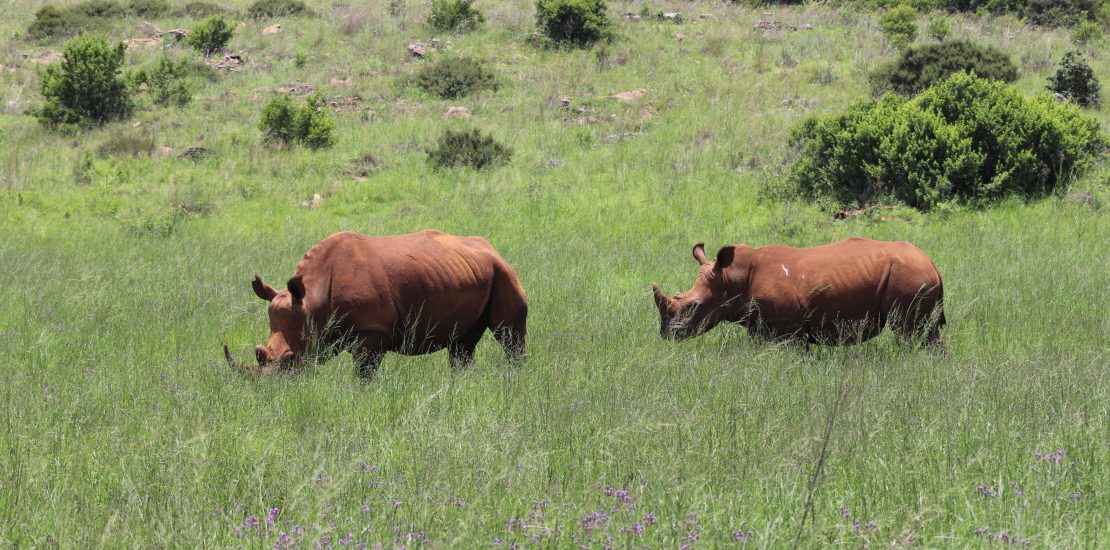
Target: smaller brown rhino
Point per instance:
(839, 293)
(411, 294)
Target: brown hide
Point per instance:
(413, 294)
(838, 293)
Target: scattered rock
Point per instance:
(780, 26)
(799, 101)
(456, 111)
(845, 214)
(297, 88)
(177, 34)
(315, 202)
(671, 16)
(10, 68)
(150, 29)
(47, 58)
(195, 153)
(229, 62)
(340, 104)
(630, 95)
(272, 29)
(648, 113)
(619, 137)
(680, 37)
(1059, 97)
(418, 49)
(133, 43)
(565, 103)
(165, 151)
(340, 81)
(554, 163)
(631, 16)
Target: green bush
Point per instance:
(920, 66)
(1075, 80)
(939, 29)
(899, 24)
(200, 9)
(210, 36)
(104, 9)
(1040, 12)
(284, 123)
(169, 81)
(455, 77)
(51, 22)
(86, 87)
(454, 16)
(966, 139)
(149, 8)
(468, 148)
(265, 9)
(573, 22)
(1087, 32)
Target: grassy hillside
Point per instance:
(123, 276)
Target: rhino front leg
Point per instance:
(462, 349)
(369, 349)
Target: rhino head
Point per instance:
(286, 344)
(707, 303)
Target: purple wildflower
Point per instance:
(986, 490)
(845, 512)
(271, 516)
(365, 508)
(742, 536)
(348, 539)
(497, 542)
(1076, 496)
(982, 531)
(396, 503)
(650, 519)
(251, 521)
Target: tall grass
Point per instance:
(122, 277)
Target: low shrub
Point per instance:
(899, 24)
(284, 123)
(1075, 80)
(965, 140)
(468, 148)
(51, 22)
(265, 9)
(104, 9)
(200, 9)
(919, 67)
(454, 16)
(1087, 32)
(939, 29)
(210, 36)
(574, 22)
(149, 8)
(86, 88)
(454, 77)
(170, 81)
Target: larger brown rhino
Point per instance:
(839, 293)
(411, 294)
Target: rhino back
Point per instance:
(379, 283)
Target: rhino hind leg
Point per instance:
(919, 318)
(462, 349)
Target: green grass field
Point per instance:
(122, 278)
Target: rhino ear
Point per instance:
(263, 290)
(296, 287)
(725, 256)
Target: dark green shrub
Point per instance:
(210, 36)
(965, 140)
(284, 123)
(468, 148)
(169, 81)
(939, 29)
(85, 88)
(104, 9)
(264, 9)
(920, 66)
(51, 22)
(200, 9)
(1087, 32)
(1075, 80)
(573, 22)
(899, 24)
(149, 8)
(454, 77)
(1040, 12)
(454, 16)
